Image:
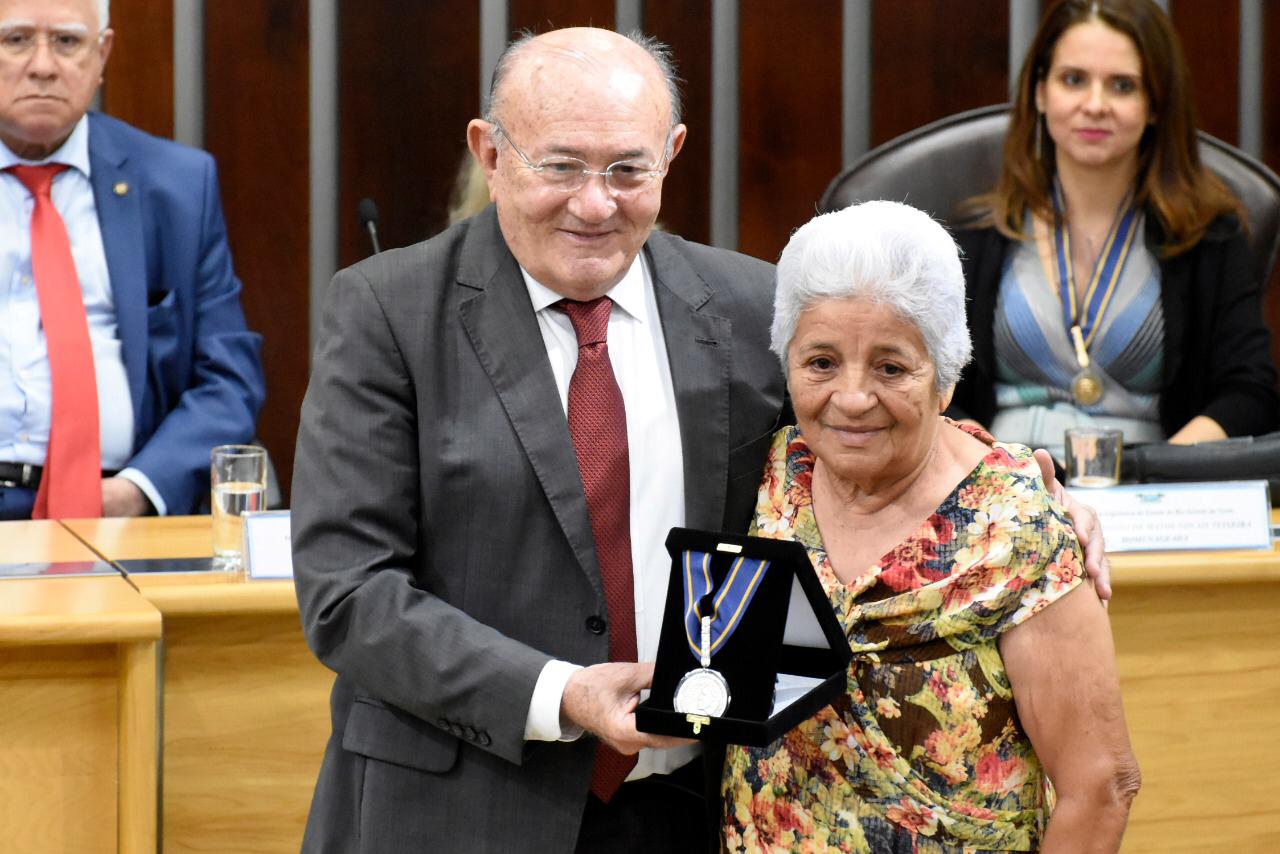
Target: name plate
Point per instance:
(1182, 516)
(268, 550)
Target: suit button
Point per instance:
(456, 729)
(443, 722)
(484, 739)
(596, 625)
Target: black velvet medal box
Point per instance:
(785, 658)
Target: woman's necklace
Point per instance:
(1083, 313)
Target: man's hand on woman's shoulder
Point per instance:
(1088, 528)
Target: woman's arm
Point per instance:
(1240, 395)
(1202, 428)
(1062, 666)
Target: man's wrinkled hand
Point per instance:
(602, 699)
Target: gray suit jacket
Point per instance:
(442, 548)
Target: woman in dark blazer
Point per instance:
(1108, 275)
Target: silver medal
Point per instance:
(703, 691)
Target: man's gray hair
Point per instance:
(658, 51)
(885, 252)
(104, 13)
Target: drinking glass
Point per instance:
(1093, 456)
(239, 478)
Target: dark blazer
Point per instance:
(442, 548)
(193, 368)
(1217, 357)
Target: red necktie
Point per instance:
(71, 485)
(598, 426)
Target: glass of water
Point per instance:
(239, 478)
(1093, 456)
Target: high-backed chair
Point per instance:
(937, 166)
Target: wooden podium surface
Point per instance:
(183, 593)
(78, 738)
(1198, 643)
(246, 713)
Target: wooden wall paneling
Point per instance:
(686, 196)
(789, 101)
(256, 125)
(408, 83)
(931, 59)
(139, 75)
(1210, 36)
(539, 16)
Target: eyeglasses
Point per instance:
(70, 43)
(570, 174)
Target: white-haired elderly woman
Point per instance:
(982, 664)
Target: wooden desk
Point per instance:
(246, 712)
(1198, 643)
(78, 737)
(1197, 638)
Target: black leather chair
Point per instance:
(938, 166)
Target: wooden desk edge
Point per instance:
(68, 610)
(124, 539)
(1208, 567)
(138, 746)
(236, 597)
(77, 628)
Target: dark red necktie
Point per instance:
(598, 426)
(71, 485)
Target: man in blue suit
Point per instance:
(176, 370)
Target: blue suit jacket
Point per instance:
(195, 377)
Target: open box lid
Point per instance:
(784, 659)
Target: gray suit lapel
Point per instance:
(699, 350)
(500, 323)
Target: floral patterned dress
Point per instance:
(924, 752)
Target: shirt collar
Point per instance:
(628, 294)
(74, 152)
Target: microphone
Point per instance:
(367, 211)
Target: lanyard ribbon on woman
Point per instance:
(1106, 272)
(729, 602)
(1086, 385)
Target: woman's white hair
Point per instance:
(887, 253)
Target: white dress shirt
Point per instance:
(638, 353)
(25, 389)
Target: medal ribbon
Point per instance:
(730, 600)
(1106, 272)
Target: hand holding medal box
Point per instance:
(729, 637)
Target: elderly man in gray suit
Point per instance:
(502, 425)
(469, 505)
